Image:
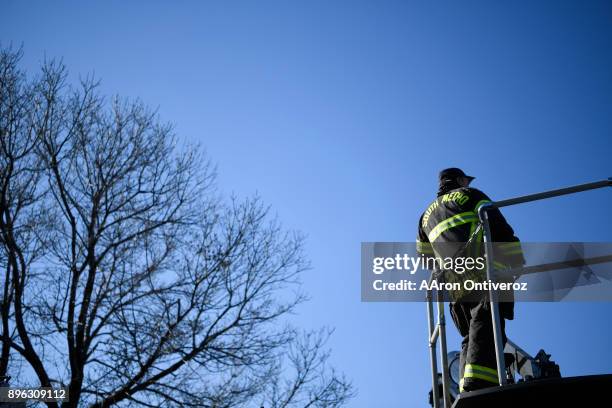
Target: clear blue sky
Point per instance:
(340, 115)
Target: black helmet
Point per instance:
(453, 173)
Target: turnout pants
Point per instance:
(478, 367)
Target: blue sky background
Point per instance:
(341, 113)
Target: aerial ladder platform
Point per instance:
(524, 380)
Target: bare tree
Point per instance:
(127, 277)
(311, 383)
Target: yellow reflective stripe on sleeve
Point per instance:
(451, 222)
(481, 202)
(510, 248)
(473, 228)
(508, 245)
(461, 385)
(424, 247)
(499, 265)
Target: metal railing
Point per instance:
(437, 331)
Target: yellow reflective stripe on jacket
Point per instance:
(480, 372)
(461, 385)
(424, 248)
(451, 222)
(510, 248)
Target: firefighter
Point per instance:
(450, 227)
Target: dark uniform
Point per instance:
(445, 228)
